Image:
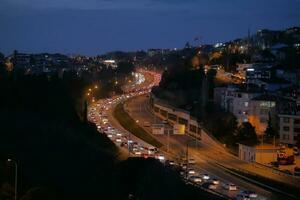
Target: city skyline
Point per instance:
(94, 27)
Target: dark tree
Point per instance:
(246, 133)
(211, 74)
(125, 67)
(270, 131)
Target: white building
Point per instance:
(263, 154)
(262, 109)
(237, 101)
(289, 125)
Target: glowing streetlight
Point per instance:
(90, 89)
(16, 176)
(88, 94)
(96, 87)
(137, 121)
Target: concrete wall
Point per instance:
(167, 113)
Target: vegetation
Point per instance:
(246, 134)
(226, 129)
(270, 131)
(128, 123)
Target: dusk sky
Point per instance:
(92, 27)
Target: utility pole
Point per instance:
(128, 143)
(16, 180)
(16, 176)
(168, 131)
(187, 160)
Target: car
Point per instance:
(212, 186)
(252, 194)
(171, 162)
(119, 140)
(209, 186)
(215, 181)
(161, 158)
(230, 187)
(195, 179)
(138, 153)
(205, 177)
(192, 161)
(119, 134)
(130, 141)
(242, 197)
(191, 171)
(183, 166)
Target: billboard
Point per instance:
(179, 129)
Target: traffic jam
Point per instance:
(98, 113)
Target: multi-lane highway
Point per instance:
(204, 171)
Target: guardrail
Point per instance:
(228, 169)
(274, 170)
(209, 190)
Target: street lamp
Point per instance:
(16, 176)
(96, 87)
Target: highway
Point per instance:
(207, 156)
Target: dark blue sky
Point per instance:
(93, 27)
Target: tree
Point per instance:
(270, 131)
(125, 67)
(211, 74)
(246, 133)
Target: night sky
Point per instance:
(92, 27)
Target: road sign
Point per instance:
(179, 129)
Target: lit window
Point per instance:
(246, 104)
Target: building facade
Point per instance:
(289, 128)
(263, 154)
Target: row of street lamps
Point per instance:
(90, 90)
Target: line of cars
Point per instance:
(200, 178)
(98, 115)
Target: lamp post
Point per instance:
(16, 176)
